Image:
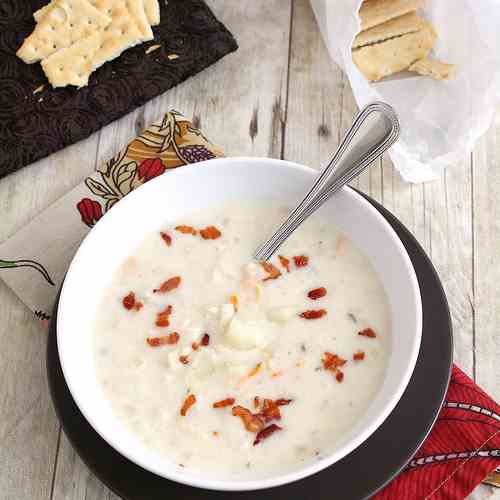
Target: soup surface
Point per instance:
(231, 367)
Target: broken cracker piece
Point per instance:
(373, 12)
(433, 68)
(64, 23)
(386, 58)
(38, 14)
(408, 23)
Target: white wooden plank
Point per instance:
(28, 425)
(448, 213)
(314, 94)
(486, 180)
(74, 481)
(240, 105)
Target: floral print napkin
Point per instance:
(464, 445)
(33, 262)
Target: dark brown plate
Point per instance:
(358, 475)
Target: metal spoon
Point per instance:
(374, 130)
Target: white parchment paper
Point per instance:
(441, 120)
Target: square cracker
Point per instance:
(136, 14)
(433, 68)
(402, 25)
(373, 12)
(397, 54)
(68, 68)
(64, 23)
(152, 8)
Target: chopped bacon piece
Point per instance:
(284, 262)
(332, 362)
(358, 356)
(186, 229)
(272, 271)
(313, 314)
(170, 339)
(224, 402)
(270, 410)
(367, 332)
(210, 233)
(265, 433)
(205, 340)
(256, 401)
(184, 359)
(130, 303)
(195, 346)
(167, 286)
(283, 402)
(215, 434)
(317, 293)
(189, 401)
(339, 376)
(252, 423)
(166, 238)
(301, 260)
(234, 300)
(162, 318)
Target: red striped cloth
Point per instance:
(462, 449)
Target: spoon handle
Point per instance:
(374, 130)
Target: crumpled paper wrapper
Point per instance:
(440, 120)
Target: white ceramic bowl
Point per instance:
(166, 199)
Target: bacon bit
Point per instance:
(252, 423)
(215, 434)
(186, 229)
(271, 270)
(313, 314)
(162, 318)
(301, 260)
(367, 332)
(283, 402)
(284, 262)
(205, 340)
(224, 402)
(265, 433)
(277, 374)
(270, 410)
(358, 356)
(189, 401)
(184, 359)
(195, 346)
(339, 376)
(210, 233)
(317, 293)
(234, 300)
(167, 286)
(129, 302)
(166, 238)
(170, 339)
(256, 401)
(332, 362)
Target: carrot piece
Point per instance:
(317, 293)
(169, 285)
(170, 339)
(224, 402)
(265, 433)
(272, 271)
(186, 229)
(367, 332)
(313, 314)
(284, 262)
(210, 233)
(188, 402)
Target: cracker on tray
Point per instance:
(67, 67)
(63, 23)
(397, 54)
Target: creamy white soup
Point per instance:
(236, 368)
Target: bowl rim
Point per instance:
(281, 479)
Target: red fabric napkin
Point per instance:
(461, 450)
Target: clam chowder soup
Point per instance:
(241, 369)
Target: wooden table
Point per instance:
(281, 96)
